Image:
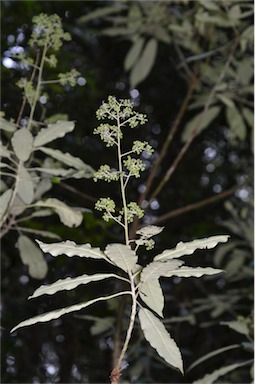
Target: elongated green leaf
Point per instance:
(101, 12)
(158, 337)
(25, 186)
(212, 377)
(55, 172)
(151, 293)
(238, 326)
(4, 202)
(156, 269)
(71, 283)
(192, 272)
(122, 256)
(7, 125)
(200, 122)
(211, 354)
(248, 116)
(236, 123)
(133, 53)
(70, 248)
(188, 248)
(47, 234)
(68, 159)
(68, 216)
(22, 143)
(60, 312)
(32, 256)
(54, 131)
(144, 65)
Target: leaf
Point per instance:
(158, 337)
(68, 216)
(68, 159)
(60, 312)
(211, 354)
(122, 256)
(133, 53)
(212, 377)
(248, 116)
(151, 293)
(236, 123)
(18, 206)
(54, 131)
(69, 248)
(149, 231)
(100, 12)
(4, 202)
(32, 256)
(188, 248)
(238, 326)
(225, 100)
(55, 172)
(25, 186)
(50, 235)
(143, 66)
(71, 283)
(4, 152)
(200, 122)
(6, 125)
(22, 143)
(156, 269)
(192, 272)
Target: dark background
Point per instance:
(63, 351)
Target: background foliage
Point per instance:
(195, 51)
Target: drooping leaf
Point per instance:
(212, 377)
(52, 132)
(236, 123)
(158, 337)
(144, 65)
(22, 143)
(226, 100)
(248, 116)
(211, 354)
(60, 312)
(133, 53)
(156, 269)
(71, 283)
(6, 125)
(25, 185)
(151, 293)
(70, 248)
(149, 231)
(122, 256)
(68, 159)
(4, 202)
(200, 122)
(188, 248)
(32, 256)
(68, 216)
(47, 234)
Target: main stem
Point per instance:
(115, 375)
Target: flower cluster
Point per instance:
(140, 146)
(108, 133)
(106, 204)
(69, 78)
(133, 210)
(28, 89)
(134, 166)
(105, 173)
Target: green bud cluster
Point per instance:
(68, 78)
(133, 210)
(134, 166)
(105, 173)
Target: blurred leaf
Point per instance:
(248, 116)
(55, 172)
(4, 202)
(18, 206)
(161, 34)
(188, 248)
(235, 264)
(54, 131)
(68, 159)
(117, 31)
(7, 125)
(158, 337)
(60, 312)
(149, 231)
(25, 186)
(143, 66)
(151, 293)
(70, 283)
(69, 216)
(47, 234)
(101, 12)
(236, 123)
(133, 53)
(22, 143)
(227, 101)
(122, 256)
(224, 249)
(32, 256)
(200, 122)
(210, 5)
(238, 326)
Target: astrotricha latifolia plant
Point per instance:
(144, 290)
